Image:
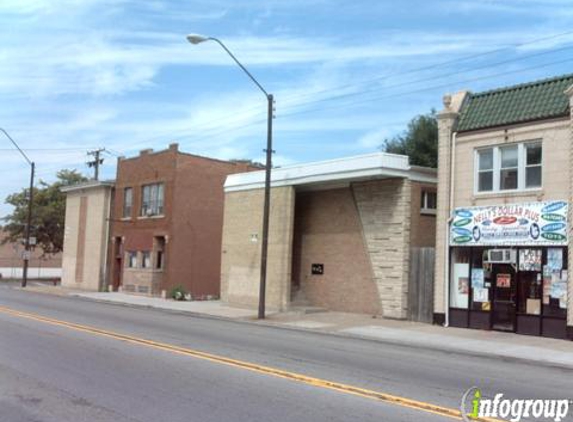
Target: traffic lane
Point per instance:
(57, 374)
(417, 373)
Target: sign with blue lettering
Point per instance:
(529, 224)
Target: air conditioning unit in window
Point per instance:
(502, 256)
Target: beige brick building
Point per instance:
(86, 235)
(340, 234)
(505, 187)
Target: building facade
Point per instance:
(41, 266)
(86, 234)
(341, 232)
(504, 210)
(167, 220)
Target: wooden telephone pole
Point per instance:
(96, 162)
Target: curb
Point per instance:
(278, 325)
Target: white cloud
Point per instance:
(374, 139)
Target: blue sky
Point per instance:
(80, 74)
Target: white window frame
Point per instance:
(154, 207)
(521, 167)
(424, 209)
(127, 211)
(129, 262)
(146, 260)
(525, 166)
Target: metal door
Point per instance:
(504, 297)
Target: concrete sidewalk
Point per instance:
(472, 342)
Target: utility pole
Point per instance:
(197, 39)
(97, 161)
(28, 227)
(26, 256)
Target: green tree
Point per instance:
(48, 212)
(419, 141)
(248, 162)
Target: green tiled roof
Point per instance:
(542, 99)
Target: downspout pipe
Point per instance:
(447, 231)
(103, 283)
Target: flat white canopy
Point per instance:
(377, 165)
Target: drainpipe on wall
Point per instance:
(103, 281)
(449, 221)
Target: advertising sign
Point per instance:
(529, 224)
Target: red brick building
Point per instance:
(167, 222)
(41, 266)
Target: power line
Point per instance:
(368, 100)
(440, 64)
(430, 78)
(377, 98)
(239, 117)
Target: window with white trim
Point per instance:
(131, 259)
(508, 168)
(429, 202)
(145, 259)
(533, 165)
(127, 202)
(152, 200)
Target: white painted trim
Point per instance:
(363, 167)
(521, 167)
(88, 185)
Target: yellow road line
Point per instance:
(293, 376)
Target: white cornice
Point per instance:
(362, 167)
(91, 184)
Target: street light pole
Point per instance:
(197, 39)
(26, 257)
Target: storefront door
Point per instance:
(504, 297)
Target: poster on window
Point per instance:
(481, 295)
(463, 286)
(530, 260)
(527, 224)
(459, 286)
(555, 259)
(503, 281)
(477, 278)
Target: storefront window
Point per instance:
(529, 281)
(480, 281)
(459, 280)
(555, 277)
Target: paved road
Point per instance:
(54, 373)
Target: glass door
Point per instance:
(504, 297)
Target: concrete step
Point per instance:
(306, 309)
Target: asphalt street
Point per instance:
(50, 372)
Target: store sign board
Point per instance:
(528, 224)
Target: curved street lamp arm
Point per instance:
(16, 145)
(240, 64)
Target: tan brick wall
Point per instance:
(554, 135)
(384, 209)
(328, 231)
(445, 123)
(71, 232)
(93, 267)
(570, 216)
(142, 281)
(557, 177)
(240, 267)
(423, 231)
